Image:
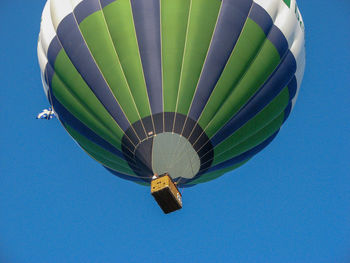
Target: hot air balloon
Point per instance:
(189, 88)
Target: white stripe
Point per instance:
(75, 3)
(271, 7)
(47, 32)
(42, 63)
(59, 10)
(45, 86)
(299, 74)
(286, 19)
(41, 57)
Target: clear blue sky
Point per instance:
(291, 203)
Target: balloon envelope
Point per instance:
(194, 88)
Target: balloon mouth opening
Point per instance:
(167, 142)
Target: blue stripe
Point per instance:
(146, 15)
(287, 111)
(243, 157)
(67, 118)
(104, 3)
(261, 17)
(292, 88)
(281, 43)
(272, 87)
(273, 33)
(54, 49)
(49, 73)
(52, 53)
(233, 14)
(86, 8)
(73, 43)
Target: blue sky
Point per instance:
(291, 203)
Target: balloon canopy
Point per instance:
(193, 88)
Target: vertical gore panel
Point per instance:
(143, 153)
(201, 24)
(263, 118)
(86, 8)
(261, 18)
(105, 3)
(54, 49)
(120, 24)
(67, 118)
(73, 43)
(174, 18)
(246, 49)
(96, 35)
(259, 71)
(279, 79)
(213, 175)
(169, 121)
(81, 92)
(250, 142)
(146, 15)
(158, 120)
(80, 100)
(243, 157)
(100, 154)
(232, 17)
(278, 40)
(77, 109)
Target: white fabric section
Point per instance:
(75, 3)
(301, 58)
(299, 74)
(46, 35)
(59, 10)
(296, 40)
(270, 6)
(47, 32)
(284, 18)
(45, 87)
(41, 57)
(290, 22)
(286, 22)
(42, 63)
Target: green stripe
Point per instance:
(287, 2)
(99, 41)
(214, 175)
(71, 90)
(263, 118)
(250, 142)
(246, 49)
(174, 17)
(121, 27)
(254, 77)
(99, 154)
(202, 21)
(142, 183)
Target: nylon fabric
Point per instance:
(191, 87)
